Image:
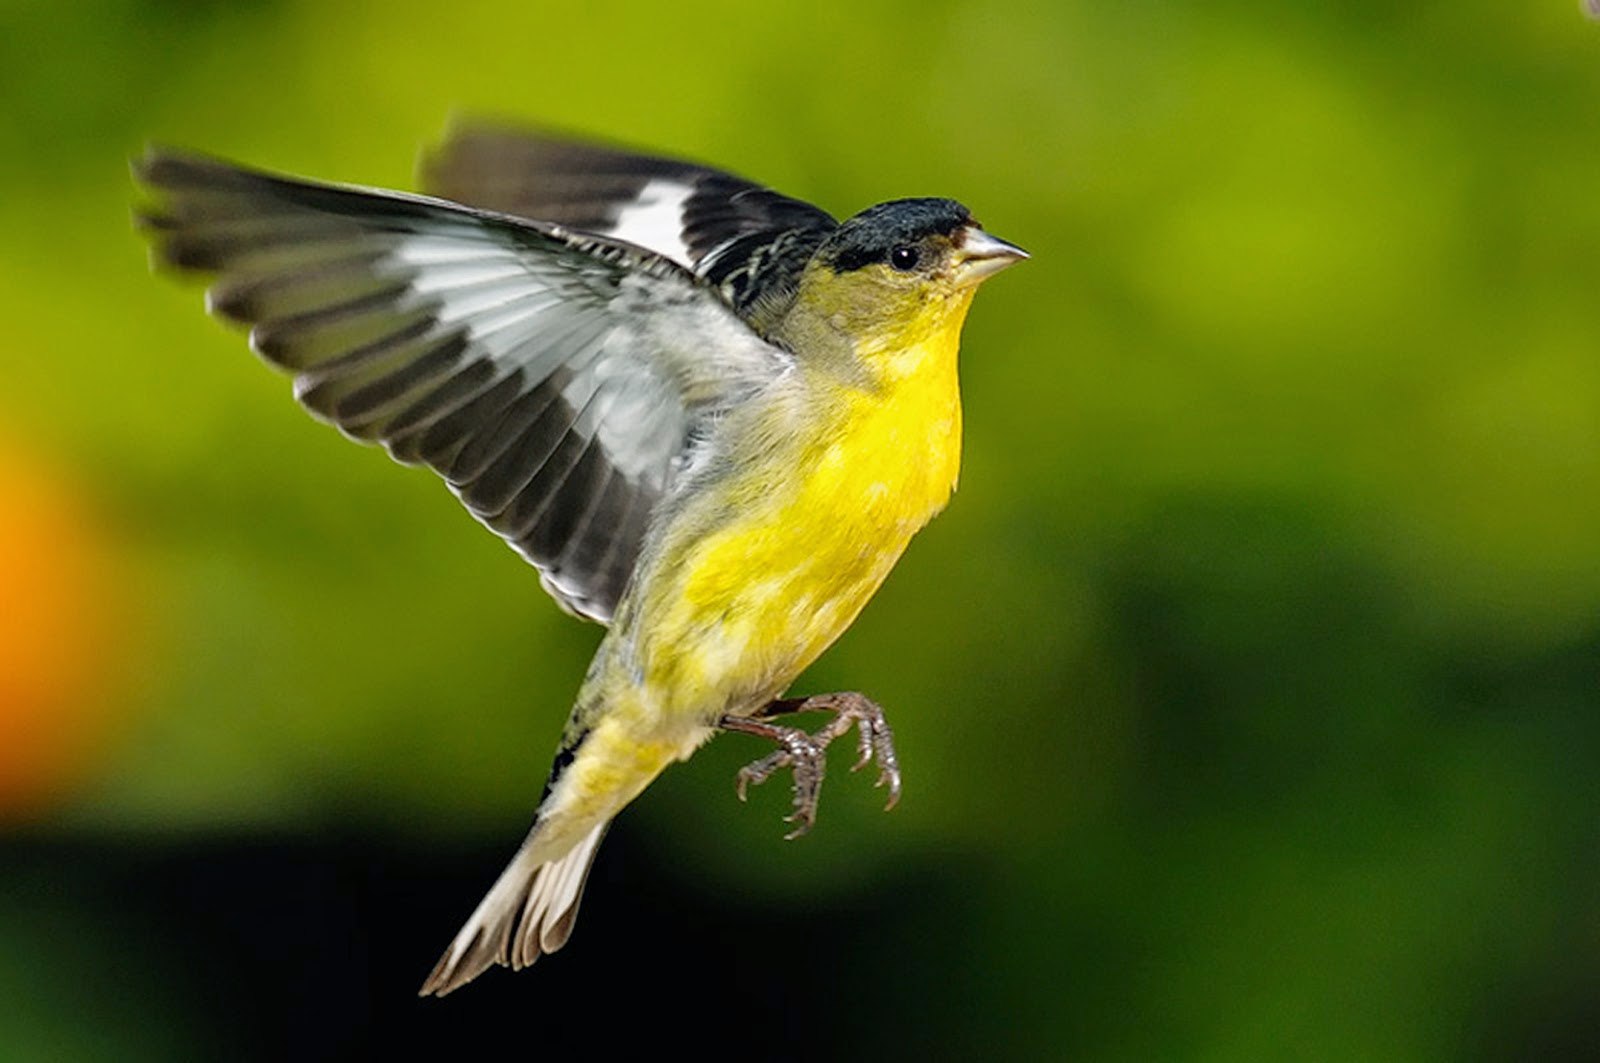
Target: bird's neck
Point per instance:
(891, 398)
(915, 347)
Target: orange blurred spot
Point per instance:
(56, 653)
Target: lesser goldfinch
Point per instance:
(710, 415)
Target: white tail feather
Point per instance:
(529, 911)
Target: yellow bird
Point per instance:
(710, 415)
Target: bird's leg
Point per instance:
(805, 753)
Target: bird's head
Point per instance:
(902, 273)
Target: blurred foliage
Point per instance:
(1250, 685)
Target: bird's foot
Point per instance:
(874, 739)
(798, 752)
(805, 754)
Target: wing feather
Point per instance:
(741, 236)
(554, 378)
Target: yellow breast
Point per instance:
(809, 533)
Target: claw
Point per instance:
(865, 745)
(804, 753)
(873, 736)
(800, 753)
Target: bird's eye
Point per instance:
(904, 258)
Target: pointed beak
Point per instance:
(979, 255)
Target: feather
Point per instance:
(742, 237)
(529, 911)
(555, 378)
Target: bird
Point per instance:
(711, 416)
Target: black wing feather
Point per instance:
(746, 240)
(490, 348)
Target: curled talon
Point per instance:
(799, 752)
(804, 754)
(866, 746)
(747, 775)
(891, 777)
(874, 737)
(760, 771)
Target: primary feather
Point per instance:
(556, 379)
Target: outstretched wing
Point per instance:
(739, 236)
(553, 378)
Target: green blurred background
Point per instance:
(1248, 693)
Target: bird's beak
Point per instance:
(979, 255)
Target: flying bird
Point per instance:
(711, 416)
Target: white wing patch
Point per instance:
(552, 378)
(654, 220)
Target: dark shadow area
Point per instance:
(314, 949)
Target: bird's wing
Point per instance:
(554, 379)
(742, 238)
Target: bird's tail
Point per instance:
(529, 911)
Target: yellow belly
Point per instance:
(811, 535)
